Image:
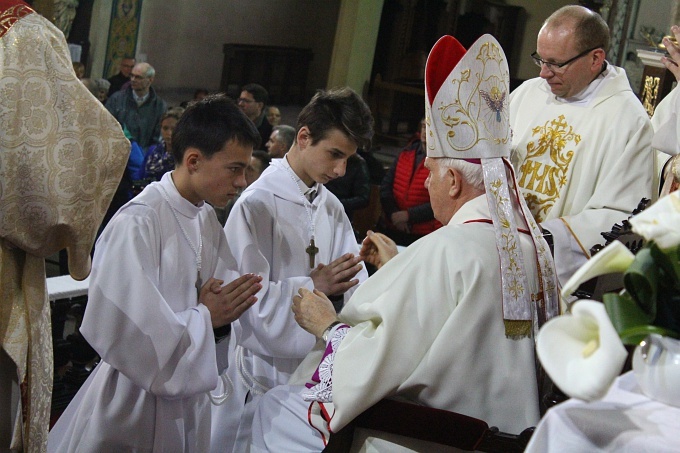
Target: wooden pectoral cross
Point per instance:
(311, 250)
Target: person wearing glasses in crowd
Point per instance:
(252, 102)
(581, 142)
(117, 81)
(137, 107)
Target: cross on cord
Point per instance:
(312, 250)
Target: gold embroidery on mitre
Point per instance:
(479, 108)
(11, 15)
(542, 180)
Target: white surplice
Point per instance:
(268, 231)
(582, 164)
(150, 391)
(427, 327)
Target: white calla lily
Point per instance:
(613, 258)
(660, 222)
(581, 351)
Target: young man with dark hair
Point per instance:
(155, 297)
(288, 228)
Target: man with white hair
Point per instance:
(137, 107)
(280, 141)
(449, 322)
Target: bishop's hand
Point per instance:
(313, 311)
(227, 303)
(377, 249)
(337, 277)
(673, 49)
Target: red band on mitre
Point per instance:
(474, 161)
(445, 55)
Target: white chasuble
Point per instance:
(268, 234)
(61, 158)
(150, 391)
(427, 327)
(582, 165)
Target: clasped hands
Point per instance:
(226, 303)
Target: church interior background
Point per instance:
(293, 47)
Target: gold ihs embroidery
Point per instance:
(541, 178)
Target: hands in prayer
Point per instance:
(313, 311)
(227, 303)
(377, 249)
(336, 277)
(400, 221)
(673, 49)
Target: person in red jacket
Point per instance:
(405, 201)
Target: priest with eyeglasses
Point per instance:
(581, 138)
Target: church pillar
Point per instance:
(354, 45)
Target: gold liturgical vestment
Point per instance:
(61, 158)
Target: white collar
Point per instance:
(589, 93)
(309, 192)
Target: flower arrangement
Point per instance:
(583, 351)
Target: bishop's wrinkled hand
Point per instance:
(673, 49)
(377, 249)
(313, 311)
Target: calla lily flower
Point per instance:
(660, 222)
(581, 351)
(612, 259)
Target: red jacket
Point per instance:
(409, 189)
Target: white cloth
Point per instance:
(150, 391)
(429, 327)
(582, 166)
(268, 234)
(625, 420)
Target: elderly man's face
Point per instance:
(139, 80)
(275, 146)
(439, 187)
(558, 44)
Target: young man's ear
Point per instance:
(191, 159)
(303, 137)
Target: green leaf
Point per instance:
(641, 281)
(635, 335)
(624, 312)
(669, 262)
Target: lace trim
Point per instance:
(323, 391)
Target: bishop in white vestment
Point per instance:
(446, 323)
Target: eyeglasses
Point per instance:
(244, 100)
(137, 77)
(559, 68)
